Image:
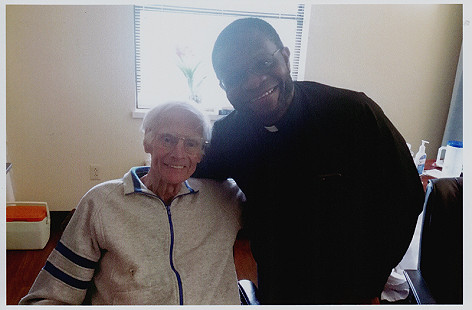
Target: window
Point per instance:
(174, 44)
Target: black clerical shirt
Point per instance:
(332, 194)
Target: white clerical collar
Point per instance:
(271, 128)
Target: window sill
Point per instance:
(140, 113)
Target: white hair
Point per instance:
(153, 119)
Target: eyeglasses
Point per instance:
(260, 66)
(192, 146)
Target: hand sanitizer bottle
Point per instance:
(420, 157)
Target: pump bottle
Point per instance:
(420, 157)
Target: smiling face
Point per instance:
(255, 74)
(171, 162)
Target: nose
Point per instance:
(253, 80)
(179, 150)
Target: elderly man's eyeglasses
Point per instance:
(192, 146)
(260, 66)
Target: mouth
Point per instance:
(175, 166)
(267, 93)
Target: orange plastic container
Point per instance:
(26, 213)
(28, 225)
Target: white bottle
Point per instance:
(420, 157)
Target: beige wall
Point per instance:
(70, 83)
(70, 95)
(402, 56)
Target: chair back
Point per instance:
(441, 248)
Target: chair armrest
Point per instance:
(247, 292)
(418, 287)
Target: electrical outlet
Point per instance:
(95, 172)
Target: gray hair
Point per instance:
(153, 119)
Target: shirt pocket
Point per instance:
(335, 198)
(332, 188)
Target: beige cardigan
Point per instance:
(124, 246)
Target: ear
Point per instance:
(286, 54)
(147, 147)
(200, 157)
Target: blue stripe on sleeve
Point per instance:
(76, 259)
(57, 273)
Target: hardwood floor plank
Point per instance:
(23, 267)
(246, 267)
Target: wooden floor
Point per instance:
(24, 265)
(246, 267)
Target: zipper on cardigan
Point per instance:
(171, 256)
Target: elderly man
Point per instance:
(155, 236)
(332, 193)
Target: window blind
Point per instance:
(152, 36)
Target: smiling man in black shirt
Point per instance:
(332, 193)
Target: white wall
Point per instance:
(70, 83)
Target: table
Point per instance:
(430, 164)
